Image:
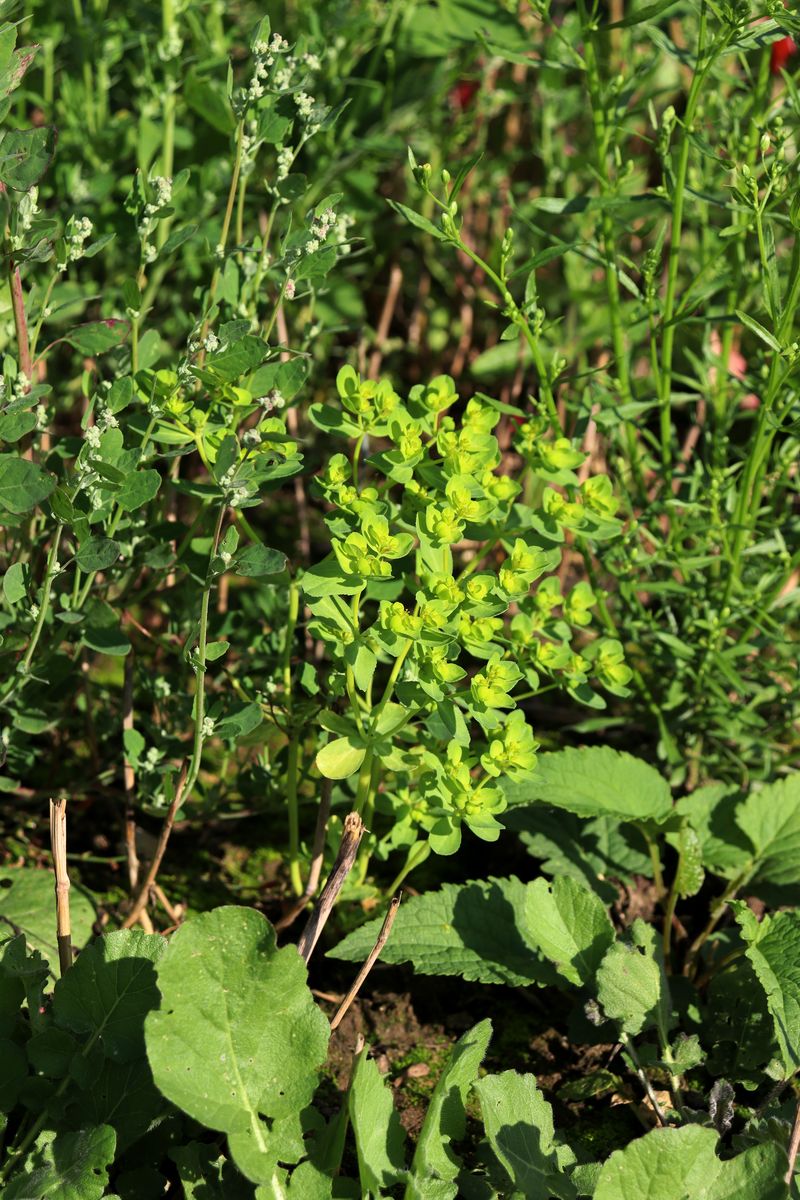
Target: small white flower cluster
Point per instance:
(92, 437)
(271, 401)
(211, 342)
(77, 232)
(251, 438)
(264, 58)
(250, 144)
(27, 210)
(106, 420)
(21, 385)
(305, 103)
(2, 387)
(320, 228)
(208, 726)
(289, 289)
(170, 46)
(162, 687)
(41, 417)
(312, 61)
(152, 758)
(285, 160)
(162, 189)
(161, 186)
(226, 557)
(238, 497)
(342, 232)
(227, 479)
(34, 610)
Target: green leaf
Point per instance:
(328, 579)
(238, 1038)
(25, 155)
(208, 102)
(380, 1138)
(239, 719)
(97, 553)
(102, 631)
(473, 930)
(15, 425)
(759, 330)
(681, 1164)
(773, 947)
(570, 925)
(711, 811)
(109, 990)
(649, 13)
(519, 1125)
(596, 780)
(445, 1121)
(630, 984)
(340, 758)
(206, 1174)
(417, 220)
(256, 561)
(97, 337)
(139, 488)
(23, 484)
(69, 1166)
(770, 818)
(27, 901)
(14, 588)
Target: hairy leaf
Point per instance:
(570, 925)
(473, 930)
(380, 1138)
(27, 904)
(773, 947)
(66, 1166)
(595, 781)
(519, 1125)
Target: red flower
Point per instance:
(781, 52)
(463, 93)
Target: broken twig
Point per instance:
(383, 937)
(351, 837)
(58, 845)
(166, 829)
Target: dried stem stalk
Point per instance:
(166, 829)
(794, 1146)
(58, 845)
(348, 848)
(383, 937)
(129, 780)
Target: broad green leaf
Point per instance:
(97, 553)
(473, 930)
(711, 811)
(25, 155)
(206, 1174)
(122, 1095)
(681, 1164)
(689, 875)
(596, 780)
(770, 818)
(28, 903)
(14, 588)
(380, 1138)
(737, 1023)
(102, 631)
(23, 484)
(15, 425)
(340, 758)
(139, 488)
(108, 992)
(631, 985)
(13, 1074)
(445, 1120)
(98, 337)
(69, 1166)
(570, 925)
(256, 561)
(519, 1125)
(238, 1038)
(773, 947)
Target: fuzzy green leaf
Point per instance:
(473, 930)
(519, 1125)
(97, 553)
(570, 925)
(630, 983)
(681, 1164)
(770, 818)
(380, 1137)
(238, 1038)
(98, 337)
(256, 561)
(773, 947)
(594, 781)
(445, 1120)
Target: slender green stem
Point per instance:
(292, 764)
(396, 669)
(417, 855)
(669, 913)
(679, 191)
(200, 667)
(655, 860)
(226, 225)
(47, 584)
(717, 909)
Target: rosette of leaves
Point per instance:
(440, 610)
